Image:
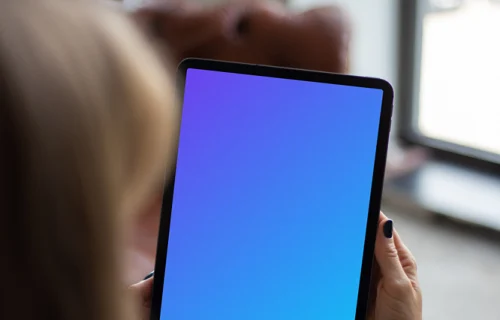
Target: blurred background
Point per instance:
(443, 175)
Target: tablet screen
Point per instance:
(271, 198)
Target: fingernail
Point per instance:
(152, 273)
(388, 229)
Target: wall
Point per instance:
(130, 4)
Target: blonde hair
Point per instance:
(87, 120)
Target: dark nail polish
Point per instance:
(152, 273)
(388, 229)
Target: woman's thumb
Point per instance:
(386, 252)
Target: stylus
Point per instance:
(151, 274)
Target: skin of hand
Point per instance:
(395, 293)
(144, 291)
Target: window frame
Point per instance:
(411, 14)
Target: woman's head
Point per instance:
(87, 118)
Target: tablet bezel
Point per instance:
(378, 172)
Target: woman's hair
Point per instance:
(87, 120)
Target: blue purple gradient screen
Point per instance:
(270, 200)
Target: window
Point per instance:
(450, 76)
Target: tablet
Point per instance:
(273, 210)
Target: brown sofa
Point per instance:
(263, 32)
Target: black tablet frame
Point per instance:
(378, 172)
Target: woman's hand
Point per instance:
(144, 291)
(395, 293)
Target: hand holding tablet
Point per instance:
(395, 290)
(274, 208)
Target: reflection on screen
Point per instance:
(270, 200)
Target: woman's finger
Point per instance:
(382, 217)
(406, 258)
(386, 252)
